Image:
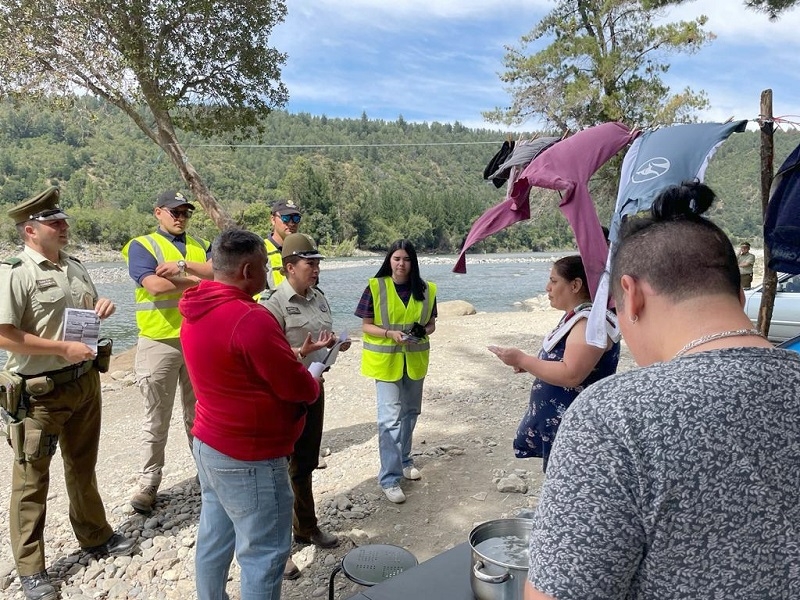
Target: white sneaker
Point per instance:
(395, 494)
(412, 473)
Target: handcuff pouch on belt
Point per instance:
(102, 362)
(13, 409)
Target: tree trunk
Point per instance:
(169, 143)
(770, 281)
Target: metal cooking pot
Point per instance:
(500, 559)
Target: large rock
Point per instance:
(455, 308)
(513, 484)
(540, 302)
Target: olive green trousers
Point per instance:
(68, 416)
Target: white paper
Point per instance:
(81, 325)
(330, 358)
(316, 369)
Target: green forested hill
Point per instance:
(359, 181)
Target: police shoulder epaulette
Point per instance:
(13, 261)
(319, 289)
(69, 256)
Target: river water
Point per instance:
(493, 283)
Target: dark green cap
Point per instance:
(42, 207)
(299, 244)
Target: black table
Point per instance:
(446, 576)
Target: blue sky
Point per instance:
(439, 60)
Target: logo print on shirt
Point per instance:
(651, 169)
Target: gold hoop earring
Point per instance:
(634, 320)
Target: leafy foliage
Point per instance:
(203, 66)
(603, 62)
(360, 183)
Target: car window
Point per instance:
(792, 284)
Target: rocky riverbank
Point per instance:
(462, 445)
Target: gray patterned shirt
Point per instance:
(678, 480)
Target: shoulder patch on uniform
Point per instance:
(13, 261)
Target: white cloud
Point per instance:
(439, 60)
(733, 23)
(421, 9)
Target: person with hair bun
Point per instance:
(679, 479)
(565, 365)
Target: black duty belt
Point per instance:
(67, 374)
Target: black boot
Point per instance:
(38, 587)
(116, 545)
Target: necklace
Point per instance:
(716, 336)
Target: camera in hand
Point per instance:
(416, 331)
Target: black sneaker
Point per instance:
(38, 587)
(116, 545)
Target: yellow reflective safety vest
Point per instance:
(275, 262)
(158, 317)
(382, 358)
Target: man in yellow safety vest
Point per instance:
(285, 220)
(163, 264)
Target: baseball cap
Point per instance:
(172, 199)
(285, 207)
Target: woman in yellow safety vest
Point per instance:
(398, 312)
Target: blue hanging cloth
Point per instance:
(782, 221)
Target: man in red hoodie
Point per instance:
(252, 394)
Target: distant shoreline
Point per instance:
(97, 253)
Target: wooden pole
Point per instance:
(770, 281)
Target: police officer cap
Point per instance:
(42, 207)
(172, 199)
(299, 244)
(285, 207)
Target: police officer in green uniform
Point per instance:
(36, 287)
(305, 317)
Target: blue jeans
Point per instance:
(399, 405)
(246, 508)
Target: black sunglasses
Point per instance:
(291, 218)
(177, 214)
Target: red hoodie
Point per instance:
(251, 390)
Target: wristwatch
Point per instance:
(182, 268)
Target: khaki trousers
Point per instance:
(302, 463)
(159, 368)
(70, 417)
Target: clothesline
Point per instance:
(494, 142)
(782, 120)
(779, 120)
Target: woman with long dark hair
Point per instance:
(398, 313)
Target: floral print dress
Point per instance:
(548, 403)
